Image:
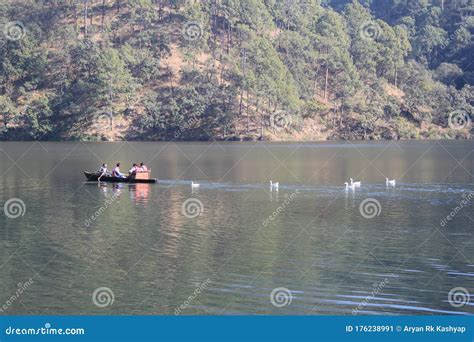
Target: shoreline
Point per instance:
(243, 140)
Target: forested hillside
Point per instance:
(236, 69)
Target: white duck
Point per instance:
(349, 186)
(195, 185)
(355, 184)
(389, 182)
(274, 185)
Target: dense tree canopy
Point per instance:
(235, 69)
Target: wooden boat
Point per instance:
(138, 178)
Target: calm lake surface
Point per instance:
(310, 237)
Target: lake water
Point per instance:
(81, 248)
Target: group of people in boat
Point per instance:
(103, 171)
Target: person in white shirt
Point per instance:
(143, 167)
(103, 169)
(133, 170)
(116, 172)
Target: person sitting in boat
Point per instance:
(116, 172)
(143, 167)
(133, 170)
(103, 169)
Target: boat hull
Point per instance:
(94, 177)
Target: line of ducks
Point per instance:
(353, 185)
(273, 186)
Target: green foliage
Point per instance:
(362, 67)
(8, 111)
(37, 119)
